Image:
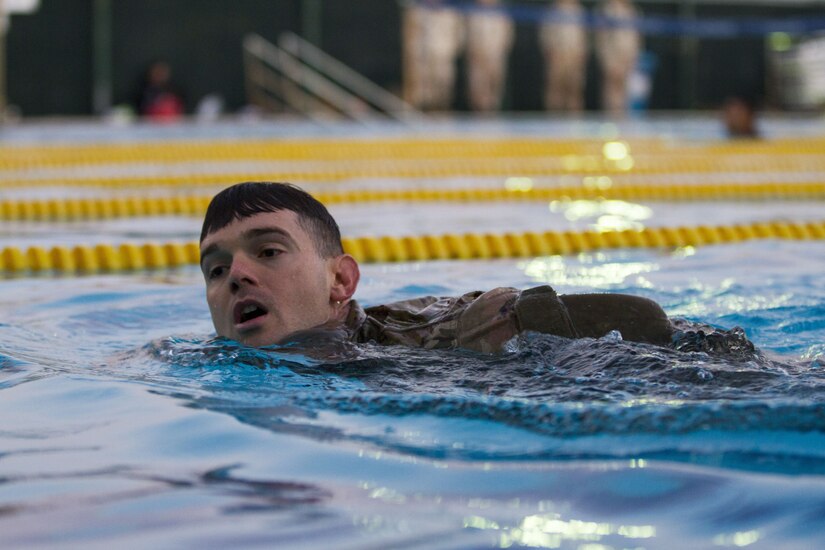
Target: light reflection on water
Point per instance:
(551, 531)
(557, 271)
(603, 215)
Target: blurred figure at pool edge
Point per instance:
(158, 100)
(432, 36)
(489, 39)
(275, 270)
(618, 44)
(564, 45)
(739, 116)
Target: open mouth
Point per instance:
(247, 311)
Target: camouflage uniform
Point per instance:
(485, 321)
(480, 321)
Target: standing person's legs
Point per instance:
(442, 70)
(554, 89)
(482, 82)
(613, 92)
(497, 77)
(575, 93)
(411, 57)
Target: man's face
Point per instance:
(265, 279)
(738, 117)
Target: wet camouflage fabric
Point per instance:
(485, 321)
(698, 337)
(481, 321)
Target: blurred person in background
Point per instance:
(158, 99)
(432, 36)
(618, 43)
(489, 39)
(739, 116)
(564, 45)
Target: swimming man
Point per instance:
(275, 269)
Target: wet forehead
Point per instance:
(282, 222)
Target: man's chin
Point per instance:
(256, 333)
(259, 340)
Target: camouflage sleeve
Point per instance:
(498, 315)
(488, 321)
(480, 321)
(426, 322)
(539, 309)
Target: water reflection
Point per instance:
(551, 531)
(615, 150)
(604, 215)
(262, 495)
(600, 183)
(740, 539)
(617, 155)
(559, 271)
(521, 184)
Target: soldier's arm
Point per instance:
(637, 319)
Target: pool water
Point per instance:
(126, 422)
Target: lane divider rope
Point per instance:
(26, 157)
(87, 259)
(16, 157)
(195, 205)
(548, 166)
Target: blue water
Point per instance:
(125, 422)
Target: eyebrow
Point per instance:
(253, 233)
(264, 231)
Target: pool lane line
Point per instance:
(28, 157)
(74, 209)
(332, 173)
(15, 156)
(102, 258)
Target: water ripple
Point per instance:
(636, 399)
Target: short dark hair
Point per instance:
(243, 200)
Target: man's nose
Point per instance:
(241, 273)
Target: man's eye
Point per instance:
(269, 252)
(216, 272)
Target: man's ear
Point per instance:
(345, 278)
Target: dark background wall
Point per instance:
(51, 69)
(201, 40)
(49, 59)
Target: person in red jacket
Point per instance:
(158, 99)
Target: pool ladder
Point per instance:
(297, 76)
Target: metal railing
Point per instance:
(296, 76)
